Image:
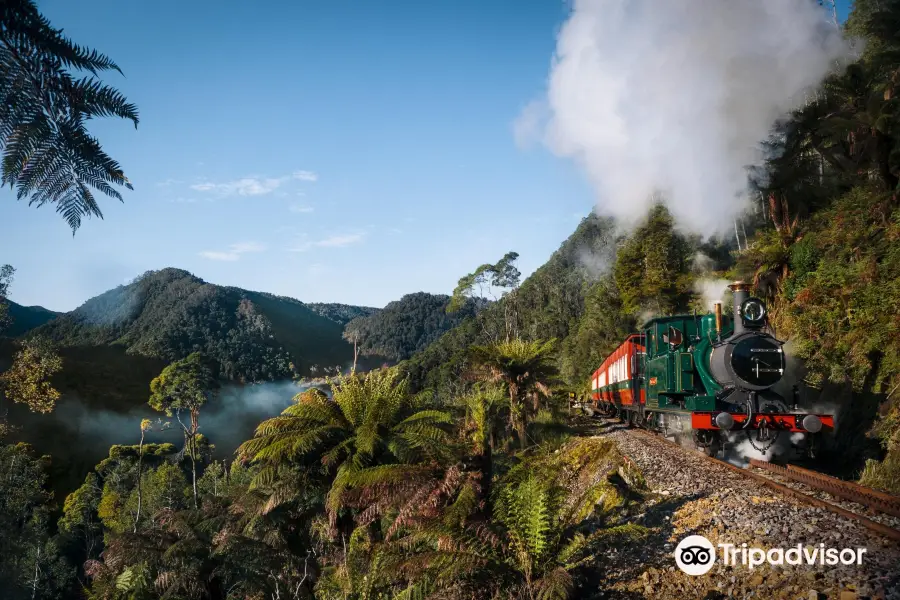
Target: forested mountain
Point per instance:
(25, 318)
(341, 313)
(167, 314)
(407, 326)
(548, 304)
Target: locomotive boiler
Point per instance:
(706, 379)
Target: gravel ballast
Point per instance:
(692, 495)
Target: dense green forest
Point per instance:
(455, 474)
(407, 325)
(25, 318)
(341, 313)
(251, 336)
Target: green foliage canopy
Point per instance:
(48, 153)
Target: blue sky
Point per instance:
(330, 151)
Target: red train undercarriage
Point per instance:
(773, 421)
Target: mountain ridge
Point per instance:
(25, 318)
(169, 313)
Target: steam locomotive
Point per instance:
(706, 379)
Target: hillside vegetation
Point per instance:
(548, 304)
(406, 326)
(341, 313)
(168, 314)
(25, 318)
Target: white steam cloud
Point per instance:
(712, 291)
(674, 97)
(742, 449)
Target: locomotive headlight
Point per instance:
(724, 420)
(753, 311)
(812, 423)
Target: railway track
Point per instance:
(851, 492)
(873, 499)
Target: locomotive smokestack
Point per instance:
(741, 292)
(717, 308)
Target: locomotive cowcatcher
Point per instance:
(706, 378)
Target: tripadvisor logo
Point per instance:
(696, 555)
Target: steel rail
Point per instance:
(889, 498)
(836, 487)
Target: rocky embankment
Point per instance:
(691, 495)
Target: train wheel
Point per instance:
(712, 449)
(707, 442)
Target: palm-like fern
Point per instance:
(48, 153)
(524, 367)
(487, 412)
(371, 420)
(544, 525)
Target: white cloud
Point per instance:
(212, 255)
(305, 175)
(300, 208)
(234, 251)
(247, 247)
(334, 241)
(248, 186)
(338, 241)
(167, 182)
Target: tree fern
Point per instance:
(546, 523)
(371, 420)
(48, 154)
(523, 367)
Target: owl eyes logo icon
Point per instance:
(695, 555)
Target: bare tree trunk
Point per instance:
(355, 353)
(194, 467)
(37, 571)
(195, 426)
(137, 516)
(189, 442)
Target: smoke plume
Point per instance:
(674, 97)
